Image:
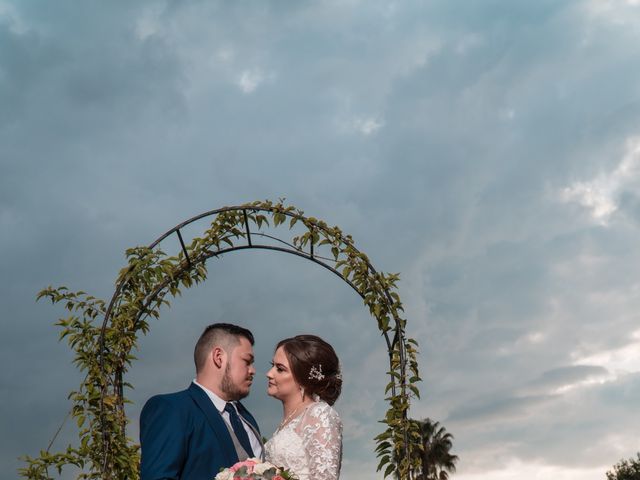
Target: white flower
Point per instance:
(260, 468)
(253, 465)
(226, 474)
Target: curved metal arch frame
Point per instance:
(189, 263)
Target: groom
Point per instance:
(194, 433)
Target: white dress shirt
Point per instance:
(219, 403)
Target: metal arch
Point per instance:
(287, 248)
(291, 250)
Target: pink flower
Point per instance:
(252, 468)
(249, 463)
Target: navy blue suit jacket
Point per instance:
(183, 436)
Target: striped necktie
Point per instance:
(238, 428)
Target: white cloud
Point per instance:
(619, 12)
(530, 471)
(587, 382)
(620, 361)
(507, 114)
(10, 14)
(599, 195)
(468, 43)
(225, 54)
(367, 126)
(249, 80)
(363, 125)
(524, 341)
(148, 24)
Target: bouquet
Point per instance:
(253, 468)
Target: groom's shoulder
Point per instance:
(167, 399)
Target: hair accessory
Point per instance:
(339, 375)
(316, 373)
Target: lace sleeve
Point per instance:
(321, 431)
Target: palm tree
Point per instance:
(436, 461)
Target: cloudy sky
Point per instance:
(487, 150)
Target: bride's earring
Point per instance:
(302, 393)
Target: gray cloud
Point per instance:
(442, 136)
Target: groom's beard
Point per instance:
(227, 386)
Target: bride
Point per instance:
(305, 376)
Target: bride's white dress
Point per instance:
(310, 445)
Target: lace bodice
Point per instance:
(310, 445)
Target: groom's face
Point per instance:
(239, 371)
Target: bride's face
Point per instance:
(281, 382)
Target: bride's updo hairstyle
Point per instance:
(314, 365)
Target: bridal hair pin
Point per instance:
(316, 373)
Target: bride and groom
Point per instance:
(194, 433)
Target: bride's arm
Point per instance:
(322, 439)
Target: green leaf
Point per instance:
(383, 461)
(390, 468)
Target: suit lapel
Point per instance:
(215, 421)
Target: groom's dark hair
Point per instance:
(225, 335)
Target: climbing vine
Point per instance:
(104, 350)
